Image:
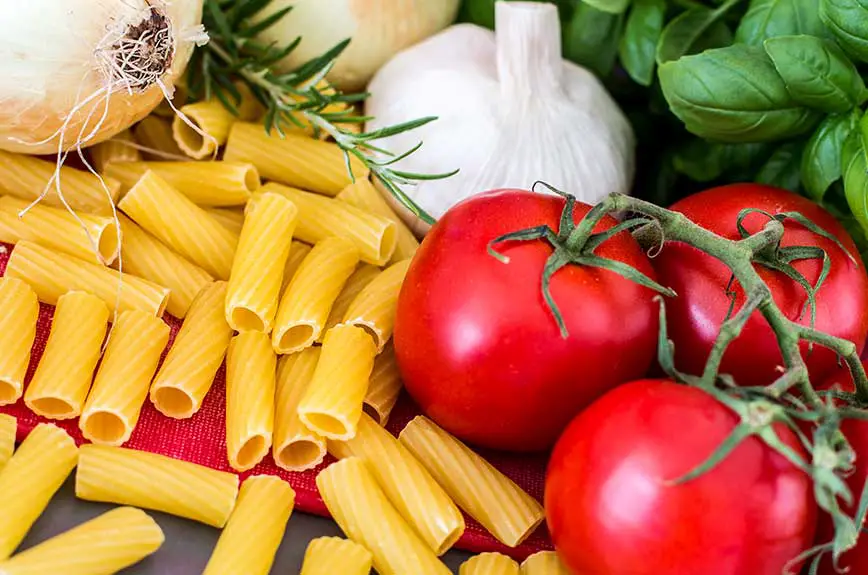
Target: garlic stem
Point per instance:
(528, 49)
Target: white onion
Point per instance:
(379, 29)
(80, 71)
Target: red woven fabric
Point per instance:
(202, 439)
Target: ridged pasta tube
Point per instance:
(230, 218)
(384, 386)
(8, 429)
(296, 448)
(120, 148)
(544, 563)
(155, 134)
(17, 333)
(364, 195)
(489, 564)
(375, 307)
(297, 252)
(335, 555)
(361, 277)
(212, 118)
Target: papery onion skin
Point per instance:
(50, 52)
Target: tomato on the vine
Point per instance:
(704, 292)
(613, 506)
(479, 348)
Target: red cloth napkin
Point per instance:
(202, 439)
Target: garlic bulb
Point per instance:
(378, 28)
(510, 111)
(77, 72)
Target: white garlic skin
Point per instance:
(510, 112)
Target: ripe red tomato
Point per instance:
(479, 349)
(695, 316)
(611, 509)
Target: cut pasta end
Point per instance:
(104, 427)
(107, 244)
(295, 338)
(192, 142)
(173, 402)
(52, 407)
(372, 330)
(251, 453)
(381, 418)
(242, 319)
(10, 391)
(388, 243)
(328, 426)
(450, 540)
(299, 454)
(251, 178)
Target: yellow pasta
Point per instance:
(305, 306)
(230, 218)
(250, 540)
(333, 556)
(150, 481)
(320, 217)
(194, 358)
(489, 564)
(102, 546)
(296, 448)
(544, 563)
(63, 376)
(486, 494)
(332, 404)
(51, 275)
(212, 118)
(363, 512)
(258, 267)
(30, 479)
(407, 484)
(375, 306)
(295, 159)
(117, 149)
(364, 195)
(250, 388)
(17, 332)
(147, 257)
(136, 342)
(59, 230)
(155, 136)
(8, 428)
(182, 225)
(364, 274)
(297, 252)
(384, 386)
(26, 177)
(217, 184)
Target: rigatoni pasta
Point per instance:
(489, 564)
(179, 223)
(194, 358)
(333, 556)
(63, 377)
(8, 429)
(293, 159)
(51, 275)
(364, 195)
(375, 307)
(487, 495)
(296, 448)
(150, 481)
(17, 333)
(102, 546)
(305, 306)
(255, 529)
(297, 252)
(250, 387)
(258, 267)
(136, 342)
(384, 386)
(407, 484)
(215, 184)
(544, 563)
(361, 509)
(30, 479)
(230, 218)
(332, 403)
(211, 117)
(361, 277)
(155, 136)
(120, 148)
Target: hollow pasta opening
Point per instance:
(173, 402)
(374, 413)
(295, 338)
(164, 301)
(104, 427)
(107, 244)
(388, 243)
(251, 178)
(300, 455)
(53, 407)
(371, 330)
(251, 452)
(326, 425)
(8, 392)
(189, 140)
(450, 540)
(243, 319)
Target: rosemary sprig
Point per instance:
(297, 98)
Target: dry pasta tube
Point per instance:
(150, 481)
(297, 252)
(62, 379)
(217, 184)
(384, 386)
(17, 333)
(305, 306)
(102, 546)
(59, 230)
(364, 274)
(332, 404)
(333, 555)
(294, 159)
(155, 136)
(257, 270)
(250, 387)
(8, 428)
(194, 358)
(182, 225)
(147, 257)
(214, 119)
(407, 484)
(296, 448)
(364, 195)
(250, 540)
(375, 307)
(320, 217)
(486, 494)
(117, 149)
(26, 177)
(489, 564)
(136, 342)
(51, 275)
(230, 218)
(30, 479)
(544, 563)
(364, 513)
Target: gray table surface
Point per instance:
(188, 544)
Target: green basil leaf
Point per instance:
(639, 43)
(703, 161)
(854, 168)
(691, 31)
(769, 18)
(610, 6)
(591, 38)
(848, 21)
(817, 72)
(733, 95)
(821, 160)
(782, 169)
